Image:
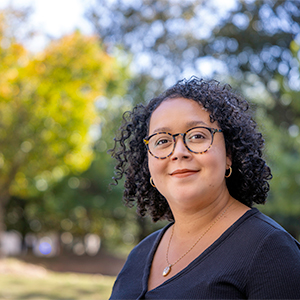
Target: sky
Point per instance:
(53, 18)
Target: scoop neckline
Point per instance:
(198, 259)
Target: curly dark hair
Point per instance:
(249, 180)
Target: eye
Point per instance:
(198, 135)
(162, 141)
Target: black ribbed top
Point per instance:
(253, 259)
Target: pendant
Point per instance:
(167, 270)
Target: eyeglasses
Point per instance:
(197, 140)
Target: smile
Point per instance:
(183, 173)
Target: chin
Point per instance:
(185, 198)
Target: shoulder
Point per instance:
(277, 236)
(266, 234)
(275, 262)
(149, 242)
(266, 221)
(275, 241)
(141, 254)
(129, 283)
(258, 224)
(255, 237)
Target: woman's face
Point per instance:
(188, 180)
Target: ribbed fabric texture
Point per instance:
(254, 259)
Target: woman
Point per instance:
(193, 156)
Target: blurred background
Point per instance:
(68, 71)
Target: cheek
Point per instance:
(152, 165)
(217, 162)
(156, 166)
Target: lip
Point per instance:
(183, 172)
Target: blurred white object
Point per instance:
(11, 243)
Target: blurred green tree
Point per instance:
(83, 203)
(283, 144)
(47, 110)
(172, 39)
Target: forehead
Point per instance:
(178, 114)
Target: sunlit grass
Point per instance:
(53, 285)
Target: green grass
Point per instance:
(53, 285)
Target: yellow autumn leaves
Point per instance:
(47, 108)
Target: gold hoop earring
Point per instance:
(151, 182)
(230, 171)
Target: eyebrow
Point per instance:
(188, 125)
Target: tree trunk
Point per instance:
(3, 201)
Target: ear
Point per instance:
(228, 161)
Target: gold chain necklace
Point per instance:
(167, 269)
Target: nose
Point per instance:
(180, 150)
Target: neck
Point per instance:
(190, 224)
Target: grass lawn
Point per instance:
(50, 285)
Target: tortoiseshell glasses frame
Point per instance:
(198, 137)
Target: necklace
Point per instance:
(168, 268)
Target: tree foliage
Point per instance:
(170, 39)
(83, 203)
(248, 42)
(47, 110)
(282, 149)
